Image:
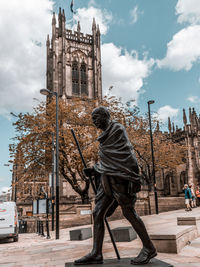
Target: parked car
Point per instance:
(8, 220)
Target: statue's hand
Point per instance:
(88, 171)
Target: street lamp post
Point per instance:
(52, 183)
(48, 92)
(152, 155)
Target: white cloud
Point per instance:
(4, 190)
(134, 15)
(86, 15)
(194, 99)
(124, 71)
(24, 26)
(188, 11)
(166, 111)
(183, 50)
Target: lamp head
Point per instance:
(151, 102)
(45, 91)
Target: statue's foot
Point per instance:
(89, 259)
(144, 256)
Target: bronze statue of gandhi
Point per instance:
(119, 183)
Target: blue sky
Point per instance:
(150, 50)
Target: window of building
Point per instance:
(75, 78)
(79, 79)
(83, 79)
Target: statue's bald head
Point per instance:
(102, 111)
(101, 117)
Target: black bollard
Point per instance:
(39, 227)
(42, 228)
(47, 227)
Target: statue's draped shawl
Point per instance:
(116, 154)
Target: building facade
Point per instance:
(172, 182)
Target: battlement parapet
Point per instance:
(79, 37)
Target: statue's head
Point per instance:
(101, 117)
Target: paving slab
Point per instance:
(33, 250)
(124, 262)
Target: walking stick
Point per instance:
(95, 191)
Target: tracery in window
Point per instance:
(75, 78)
(83, 79)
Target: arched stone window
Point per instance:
(83, 79)
(183, 179)
(75, 78)
(167, 181)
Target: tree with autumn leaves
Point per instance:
(34, 141)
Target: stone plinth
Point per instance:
(123, 263)
(172, 239)
(80, 234)
(124, 234)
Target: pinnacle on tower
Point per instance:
(98, 30)
(169, 125)
(54, 19)
(157, 127)
(94, 25)
(63, 15)
(78, 27)
(173, 128)
(184, 117)
(60, 17)
(48, 41)
(60, 12)
(190, 115)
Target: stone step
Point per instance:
(172, 238)
(189, 220)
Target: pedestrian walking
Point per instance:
(188, 197)
(193, 202)
(197, 193)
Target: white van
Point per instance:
(8, 220)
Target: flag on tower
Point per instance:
(72, 7)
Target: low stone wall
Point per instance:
(147, 206)
(69, 217)
(81, 214)
(167, 203)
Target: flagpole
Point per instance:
(73, 13)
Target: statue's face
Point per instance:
(100, 121)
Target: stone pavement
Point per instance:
(33, 250)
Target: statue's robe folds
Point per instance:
(116, 154)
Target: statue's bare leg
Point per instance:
(148, 251)
(95, 256)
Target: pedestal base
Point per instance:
(123, 263)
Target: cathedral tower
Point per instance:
(74, 61)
